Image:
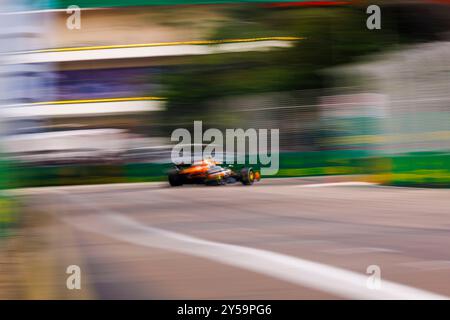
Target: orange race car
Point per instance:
(207, 171)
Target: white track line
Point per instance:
(298, 271)
(338, 184)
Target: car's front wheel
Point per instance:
(247, 176)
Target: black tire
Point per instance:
(247, 176)
(175, 179)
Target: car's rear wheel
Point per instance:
(247, 176)
(175, 179)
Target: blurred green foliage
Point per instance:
(334, 36)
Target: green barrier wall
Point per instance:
(413, 169)
(8, 205)
(425, 169)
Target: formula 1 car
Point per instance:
(208, 172)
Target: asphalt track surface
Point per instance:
(310, 238)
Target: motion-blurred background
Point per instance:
(97, 104)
